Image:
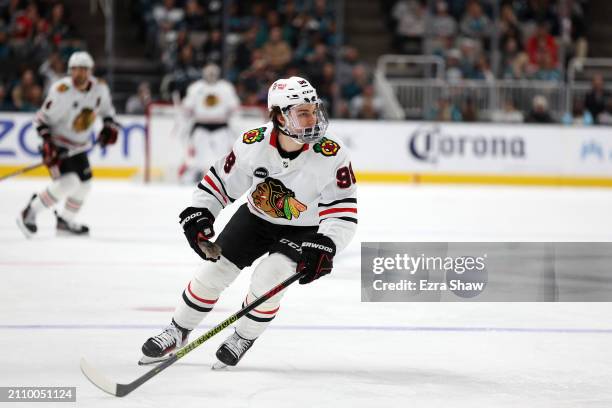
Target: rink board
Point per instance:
(381, 151)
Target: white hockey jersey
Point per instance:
(316, 188)
(71, 113)
(210, 103)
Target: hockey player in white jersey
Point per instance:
(207, 108)
(301, 209)
(64, 122)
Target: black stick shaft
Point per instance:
(21, 171)
(124, 389)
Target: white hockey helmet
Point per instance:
(80, 59)
(288, 93)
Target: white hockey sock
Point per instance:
(270, 272)
(57, 191)
(75, 201)
(202, 292)
(257, 320)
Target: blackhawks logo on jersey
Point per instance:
(84, 120)
(211, 100)
(254, 135)
(326, 147)
(272, 197)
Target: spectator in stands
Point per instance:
(410, 16)
(359, 80)
(442, 23)
(327, 89)
(32, 99)
(444, 111)
(508, 113)
(475, 23)
(5, 104)
(350, 59)
(595, 100)
(454, 73)
(194, 19)
(245, 49)
(276, 50)
(213, 48)
(166, 19)
(578, 116)
(21, 90)
(168, 16)
(540, 42)
(25, 22)
(483, 71)
(366, 105)
(186, 72)
(60, 29)
(605, 117)
(137, 103)
(470, 52)
(573, 29)
(539, 112)
(52, 70)
(469, 111)
(515, 63)
(546, 69)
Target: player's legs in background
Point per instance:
(77, 165)
(189, 172)
(61, 186)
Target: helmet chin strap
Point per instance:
(284, 131)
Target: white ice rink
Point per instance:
(103, 296)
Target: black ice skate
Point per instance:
(27, 220)
(69, 228)
(232, 350)
(163, 346)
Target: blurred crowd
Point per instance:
(533, 37)
(265, 40)
(38, 35)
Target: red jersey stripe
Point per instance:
(337, 210)
(214, 186)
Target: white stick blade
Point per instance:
(97, 378)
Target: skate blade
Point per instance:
(144, 360)
(219, 366)
(28, 234)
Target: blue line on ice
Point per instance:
(316, 328)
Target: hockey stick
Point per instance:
(37, 165)
(121, 390)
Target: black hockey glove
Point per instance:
(50, 153)
(108, 134)
(197, 224)
(317, 257)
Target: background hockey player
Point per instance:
(301, 209)
(207, 107)
(64, 122)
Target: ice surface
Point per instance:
(101, 297)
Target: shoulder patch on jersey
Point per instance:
(61, 88)
(253, 135)
(326, 147)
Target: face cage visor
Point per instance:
(296, 118)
